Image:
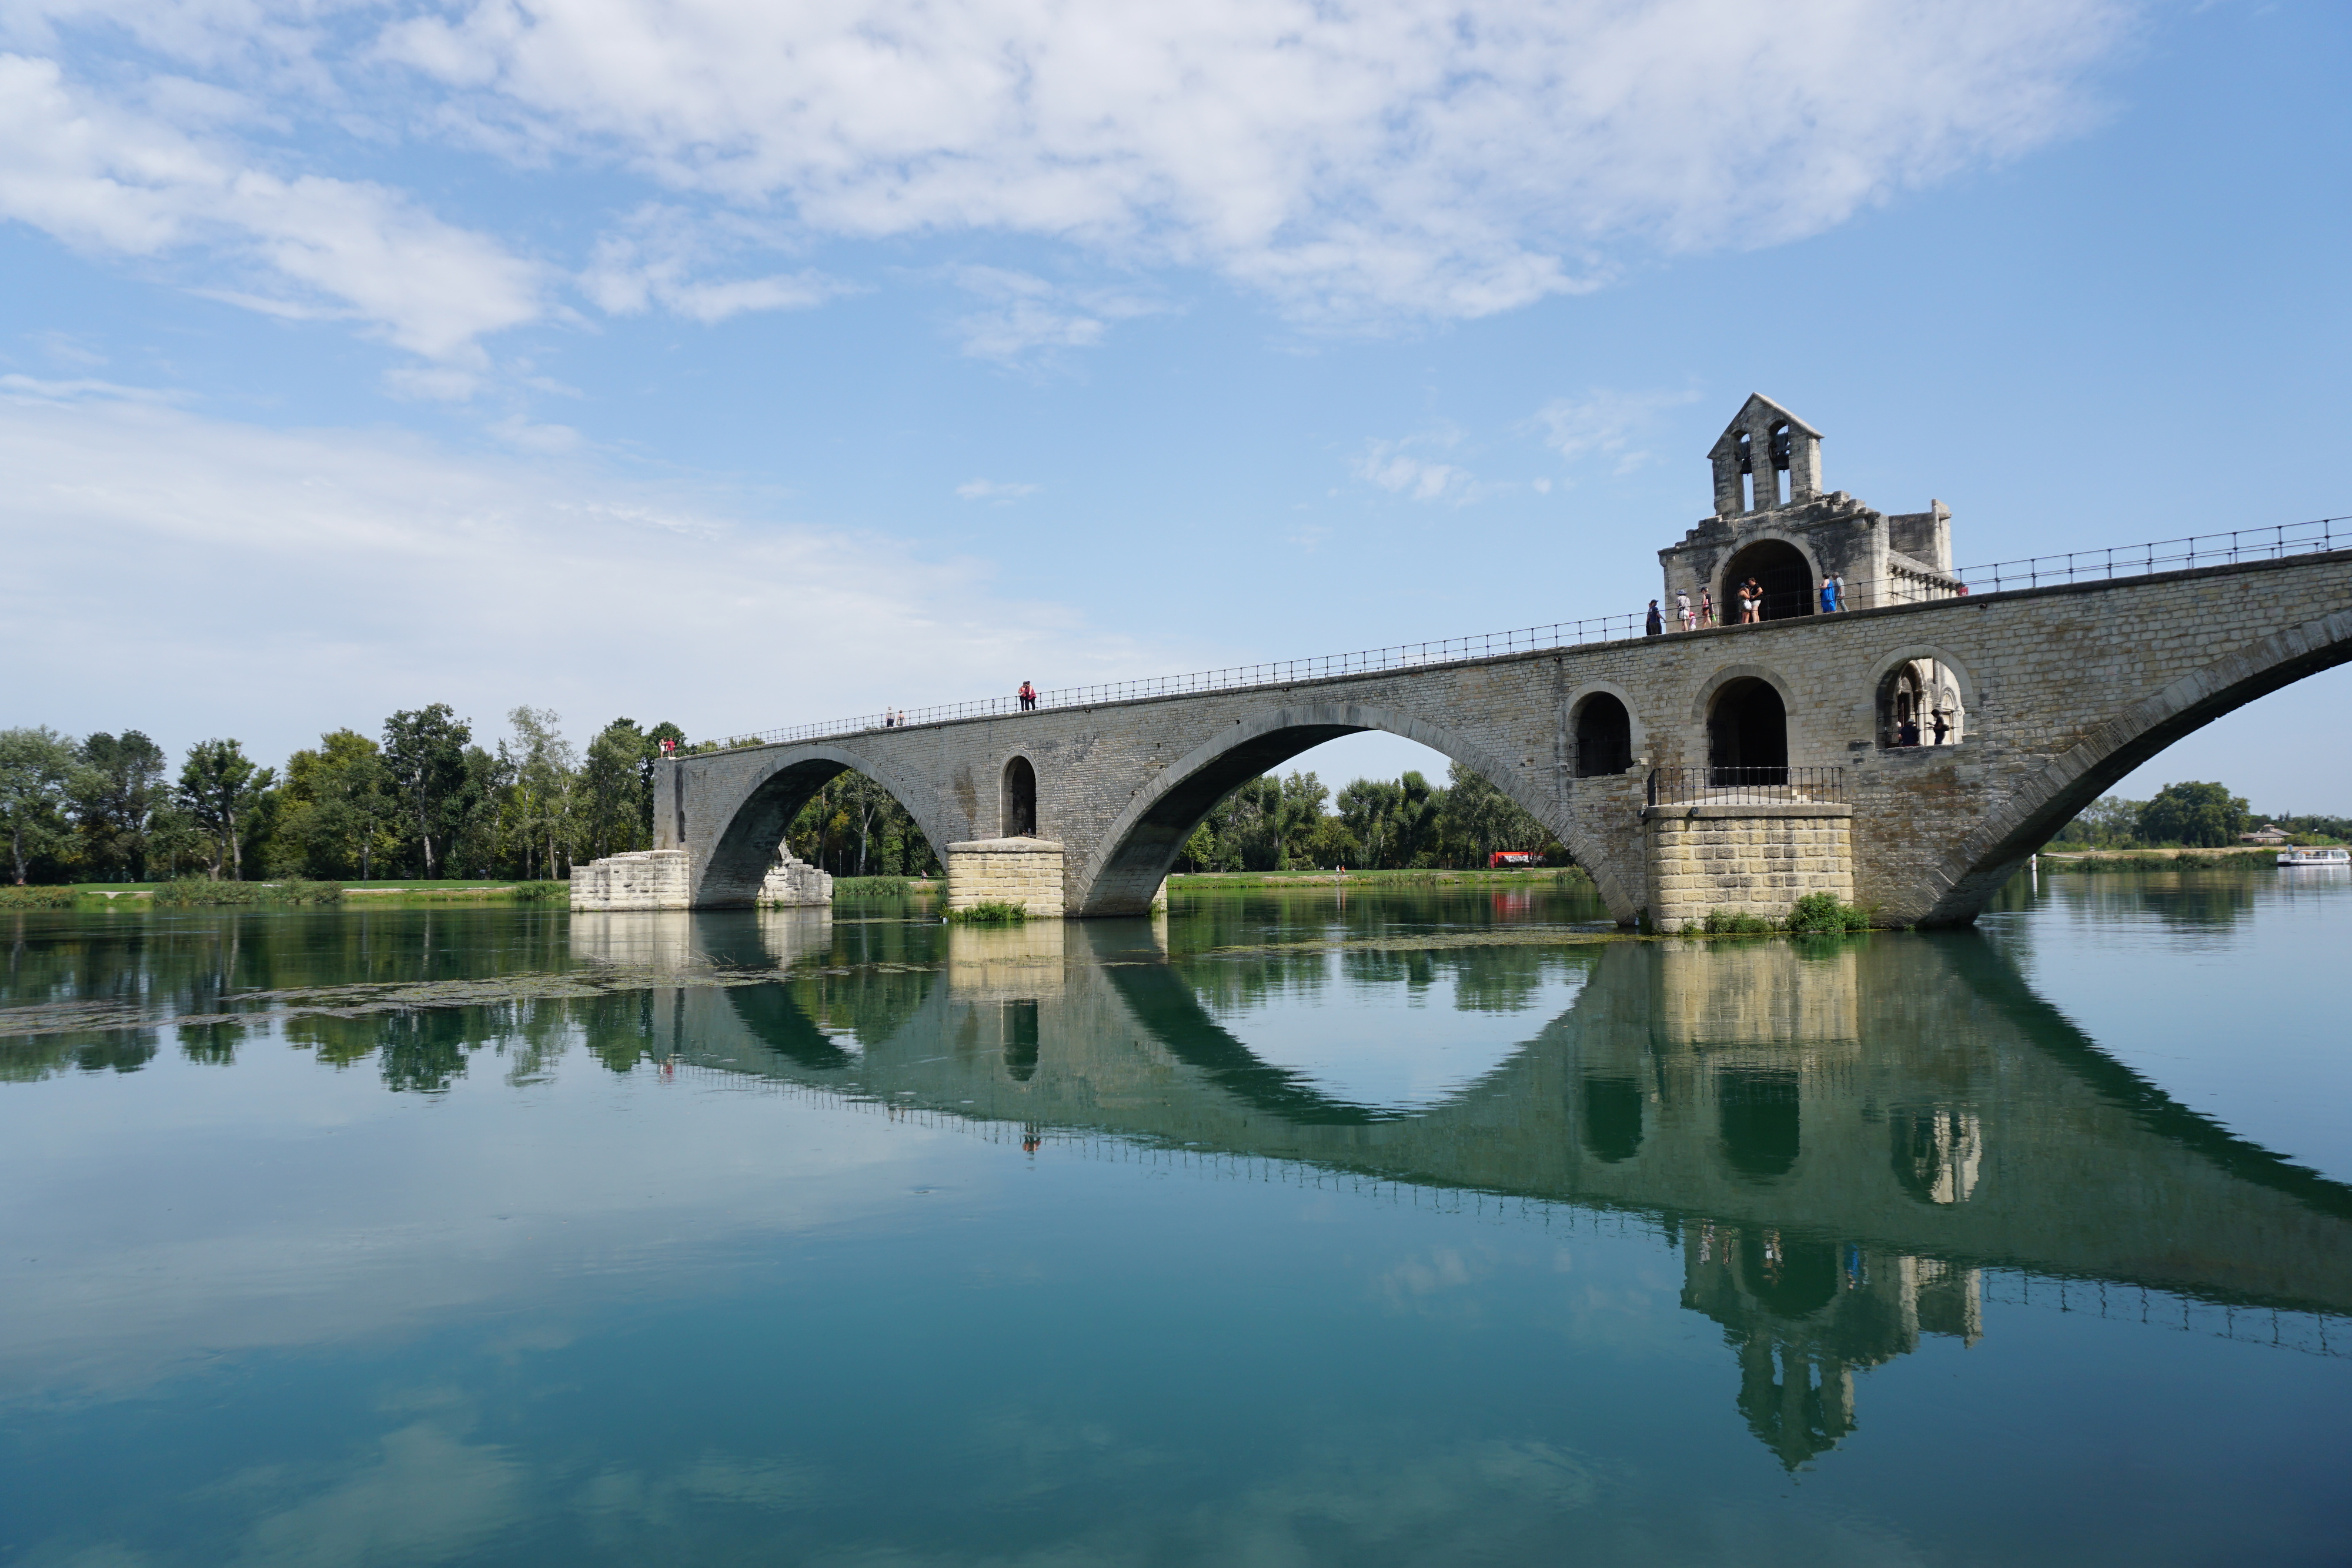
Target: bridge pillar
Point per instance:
(1745, 859)
(648, 879)
(1026, 872)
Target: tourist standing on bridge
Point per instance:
(1751, 602)
(1683, 611)
(1656, 624)
(1028, 695)
(1705, 608)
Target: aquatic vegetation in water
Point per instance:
(990, 913)
(37, 897)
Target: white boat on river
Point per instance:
(2316, 854)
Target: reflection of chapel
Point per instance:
(1775, 527)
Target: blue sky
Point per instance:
(749, 364)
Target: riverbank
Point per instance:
(2157, 860)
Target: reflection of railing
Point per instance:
(1746, 786)
(2081, 566)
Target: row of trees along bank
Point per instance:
(424, 799)
(2191, 815)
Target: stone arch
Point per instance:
(1977, 865)
(1943, 682)
(1143, 842)
(741, 852)
(1778, 559)
(1016, 798)
(1636, 736)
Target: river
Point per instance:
(1409, 1225)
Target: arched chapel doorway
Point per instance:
(1604, 736)
(1779, 568)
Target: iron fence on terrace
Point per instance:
(2235, 548)
(1746, 786)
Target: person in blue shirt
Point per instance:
(1829, 596)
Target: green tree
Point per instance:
(337, 814)
(613, 782)
(114, 793)
(35, 766)
(1369, 808)
(1297, 813)
(1418, 819)
(2193, 813)
(425, 759)
(1485, 820)
(219, 785)
(544, 772)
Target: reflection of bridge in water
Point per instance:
(1843, 1144)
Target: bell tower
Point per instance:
(1766, 458)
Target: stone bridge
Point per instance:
(1841, 1142)
(1908, 752)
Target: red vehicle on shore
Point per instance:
(1513, 857)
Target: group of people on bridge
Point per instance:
(1751, 601)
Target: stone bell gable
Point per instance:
(1773, 522)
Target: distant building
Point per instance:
(2268, 834)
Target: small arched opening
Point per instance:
(1790, 1277)
(1747, 735)
(1781, 575)
(1018, 814)
(1744, 451)
(1919, 704)
(1759, 1120)
(1604, 736)
(1021, 1041)
(1781, 446)
(1612, 1119)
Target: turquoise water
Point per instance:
(1427, 1226)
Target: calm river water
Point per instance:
(1411, 1227)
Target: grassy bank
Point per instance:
(2155, 860)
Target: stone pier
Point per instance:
(1026, 872)
(1745, 859)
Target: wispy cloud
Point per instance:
(664, 255)
(993, 490)
(1608, 425)
(1401, 467)
(106, 179)
(1026, 316)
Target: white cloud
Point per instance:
(383, 571)
(1028, 315)
(993, 490)
(656, 258)
(1447, 157)
(1606, 424)
(101, 178)
(1394, 467)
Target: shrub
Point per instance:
(1723, 922)
(541, 893)
(37, 897)
(990, 915)
(1816, 913)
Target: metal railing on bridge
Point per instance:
(2237, 546)
(1746, 786)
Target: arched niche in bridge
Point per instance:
(1017, 798)
(1612, 1119)
(752, 840)
(1604, 736)
(1780, 570)
(1937, 1153)
(1759, 1119)
(1919, 704)
(1748, 733)
(1021, 1041)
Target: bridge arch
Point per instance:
(756, 818)
(1978, 864)
(1143, 842)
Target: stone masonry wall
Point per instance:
(1745, 859)
(648, 879)
(2056, 683)
(1026, 872)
